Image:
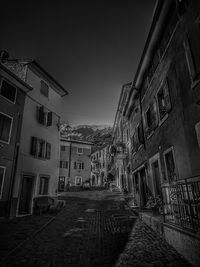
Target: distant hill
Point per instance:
(99, 135)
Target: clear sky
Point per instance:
(91, 47)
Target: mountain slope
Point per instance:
(99, 135)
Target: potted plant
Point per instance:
(155, 204)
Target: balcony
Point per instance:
(182, 206)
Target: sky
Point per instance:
(92, 48)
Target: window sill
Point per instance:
(163, 119)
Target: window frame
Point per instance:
(63, 164)
(48, 179)
(161, 87)
(10, 131)
(2, 184)
(80, 153)
(175, 165)
(80, 177)
(61, 146)
(1, 82)
(42, 81)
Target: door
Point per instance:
(156, 177)
(143, 187)
(26, 195)
(61, 184)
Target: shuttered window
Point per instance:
(44, 117)
(192, 45)
(40, 148)
(63, 164)
(5, 127)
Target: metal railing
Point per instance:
(182, 203)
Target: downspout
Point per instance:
(15, 161)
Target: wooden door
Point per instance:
(26, 195)
(156, 177)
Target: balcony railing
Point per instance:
(182, 203)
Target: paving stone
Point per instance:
(106, 235)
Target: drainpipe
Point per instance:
(14, 167)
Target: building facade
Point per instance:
(99, 166)
(37, 167)
(121, 142)
(12, 98)
(162, 111)
(74, 163)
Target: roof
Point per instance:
(57, 86)
(76, 141)
(156, 29)
(25, 87)
(35, 66)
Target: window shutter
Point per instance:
(48, 151)
(60, 164)
(82, 166)
(49, 118)
(74, 165)
(66, 164)
(167, 97)
(34, 146)
(41, 115)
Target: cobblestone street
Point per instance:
(94, 229)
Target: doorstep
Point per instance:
(152, 220)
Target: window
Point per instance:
(5, 128)
(44, 182)
(192, 44)
(63, 148)
(2, 175)
(8, 91)
(40, 148)
(79, 165)
(64, 164)
(163, 98)
(75, 166)
(44, 118)
(78, 180)
(170, 165)
(151, 120)
(44, 88)
(79, 150)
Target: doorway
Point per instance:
(156, 177)
(61, 184)
(26, 195)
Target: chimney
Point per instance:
(3, 55)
